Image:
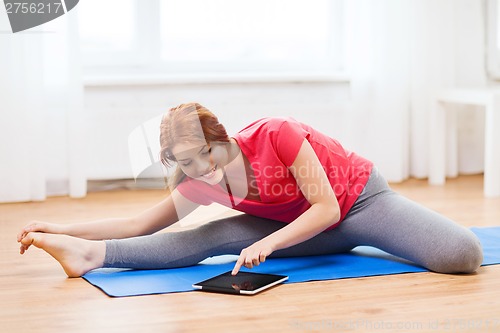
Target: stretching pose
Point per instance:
(300, 191)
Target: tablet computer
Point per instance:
(244, 283)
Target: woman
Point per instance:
(302, 194)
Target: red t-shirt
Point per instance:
(271, 146)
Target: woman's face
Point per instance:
(201, 161)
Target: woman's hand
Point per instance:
(37, 226)
(253, 255)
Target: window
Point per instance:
(493, 38)
(108, 32)
(218, 36)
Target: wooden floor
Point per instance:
(36, 296)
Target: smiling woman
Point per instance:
(201, 163)
(307, 212)
(188, 130)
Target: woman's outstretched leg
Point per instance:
(225, 236)
(173, 249)
(189, 247)
(77, 256)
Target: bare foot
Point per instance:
(77, 256)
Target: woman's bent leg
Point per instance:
(397, 225)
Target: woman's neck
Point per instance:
(235, 161)
(239, 174)
(233, 150)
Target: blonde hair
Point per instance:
(181, 125)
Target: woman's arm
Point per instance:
(158, 217)
(324, 211)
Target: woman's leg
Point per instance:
(225, 236)
(176, 249)
(186, 248)
(384, 219)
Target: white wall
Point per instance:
(113, 112)
(470, 71)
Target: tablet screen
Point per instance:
(241, 283)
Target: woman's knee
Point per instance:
(466, 256)
(472, 255)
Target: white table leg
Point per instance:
(437, 149)
(492, 148)
(451, 143)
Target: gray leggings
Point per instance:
(380, 218)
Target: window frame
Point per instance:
(492, 39)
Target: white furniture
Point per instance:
(443, 136)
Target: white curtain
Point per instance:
(40, 81)
(433, 38)
(379, 63)
(401, 53)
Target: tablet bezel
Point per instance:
(202, 285)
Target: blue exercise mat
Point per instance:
(362, 261)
